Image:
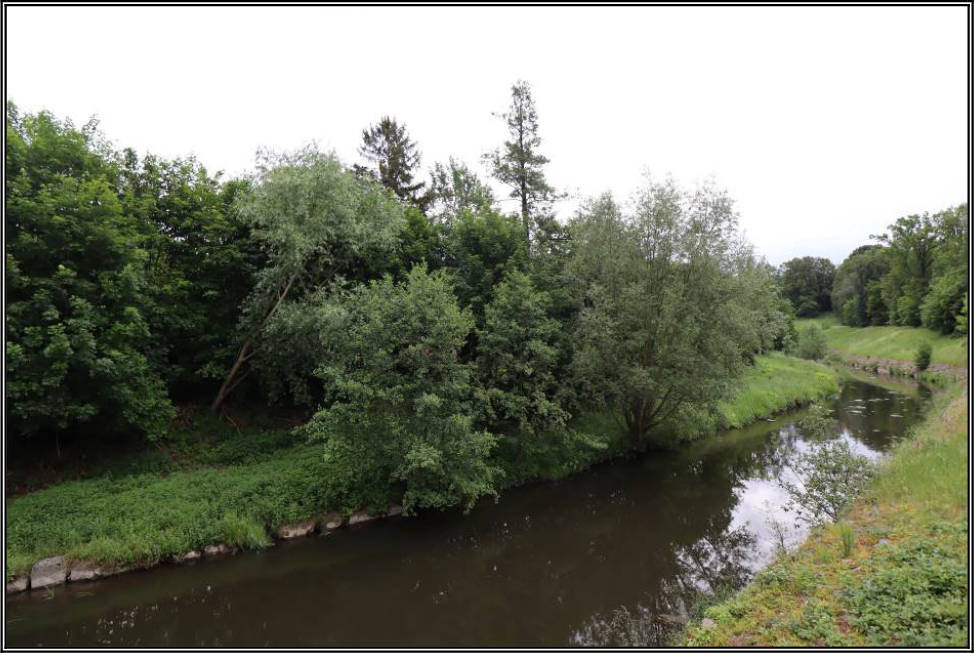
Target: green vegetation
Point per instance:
(902, 581)
(897, 343)
(428, 348)
(774, 384)
(807, 283)
(916, 276)
(218, 485)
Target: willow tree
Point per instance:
(312, 218)
(668, 320)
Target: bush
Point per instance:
(922, 358)
(811, 343)
(829, 477)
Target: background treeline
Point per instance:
(437, 346)
(915, 275)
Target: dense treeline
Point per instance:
(915, 275)
(441, 347)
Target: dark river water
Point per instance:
(550, 564)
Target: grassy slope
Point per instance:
(777, 383)
(900, 343)
(147, 516)
(905, 582)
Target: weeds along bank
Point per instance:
(897, 577)
(140, 518)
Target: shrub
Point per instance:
(811, 343)
(829, 476)
(922, 358)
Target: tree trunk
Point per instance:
(246, 351)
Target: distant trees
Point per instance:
(910, 246)
(916, 276)
(396, 158)
(807, 283)
(519, 163)
(857, 291)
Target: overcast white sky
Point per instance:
(825, 124)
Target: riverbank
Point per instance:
(118, 522)
(903, 580)
(888, 343)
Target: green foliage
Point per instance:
(396, 158)
(402, 405)
(922, 358)
(899, 343)
(914, 594)
(519, 164)
(456, 189)
(516, 359)
(962, 316)
(774, 384)
(818, 421)
(848, 534)
(147, 518)
(812, 343)
(828, 477)
(807, 283)
(77, 300)
(315, 221)
(856, 291)
(944, 301)
(664, 323)
(199, 268)
(481, 248)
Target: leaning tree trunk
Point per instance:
(247, 351)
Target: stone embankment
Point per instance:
(58, 570)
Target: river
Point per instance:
(550, 564)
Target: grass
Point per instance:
(204, 440)
(235, 487)
(145, 518)
(900, 576)
(898, 343)
(774, 384)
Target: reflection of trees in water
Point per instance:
(713, 565)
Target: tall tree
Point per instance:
(313, 219)
(668, 320)
(396, 158)
(856, 291)
(518, 163)
(77, 333)
(402, 405)
(912, 243)
(807, 283)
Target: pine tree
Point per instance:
(518, 163)
(389, 148)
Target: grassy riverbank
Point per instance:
(905, 580)
(897, 343)
(237, 489)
